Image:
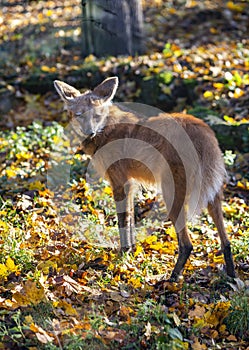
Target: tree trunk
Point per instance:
(112, 27)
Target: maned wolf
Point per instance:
(176, 152)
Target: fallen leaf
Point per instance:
(198, 312)
(148, 330)
(198, 346)
(29, 293)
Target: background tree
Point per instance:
(112, 27)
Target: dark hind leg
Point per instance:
(184, 243)
(215, 212)
(175, 203)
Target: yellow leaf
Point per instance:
(68, 308)
(66, 143)
(24, 155)
(45, 68)
(172, 10)
(213, 30)
(139, 249)
(49, 13)
(45, 266)
(156, 246)
(228, 119)
(156, 70)
(135, 281)
(171, 232)
(218, 86)
(11, 265)
(3, 143)
(108, 190)
(3, 271)
(177, 68)
(90, 58)
(36, 185)
(150, 239)
(57, 139)
(215, 316)
(241, 185)
(111, 267)
(3, 224)
(235, 7)
(208, 94)
(29, 294)
(168, 250)
(244, 120)
(218, 259)
(229, 210)
(199, 323)
(46, 193)
(10, 172)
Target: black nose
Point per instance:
(89, 133)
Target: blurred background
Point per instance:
(176, 55)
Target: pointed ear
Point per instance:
(66, 92)
(107, 89)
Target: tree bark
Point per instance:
(112, 27)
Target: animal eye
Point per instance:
(78, 114)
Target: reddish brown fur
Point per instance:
(177, 152)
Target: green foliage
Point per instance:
(34, 137)
(12, 332)
(240, 245)
(90, 342)
(154, 328)
(12, 225)
(201, 112)
(42, 314)
(171, 50)
(237, 321)
(166, 77)
(27, 151)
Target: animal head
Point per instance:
(91, 108)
